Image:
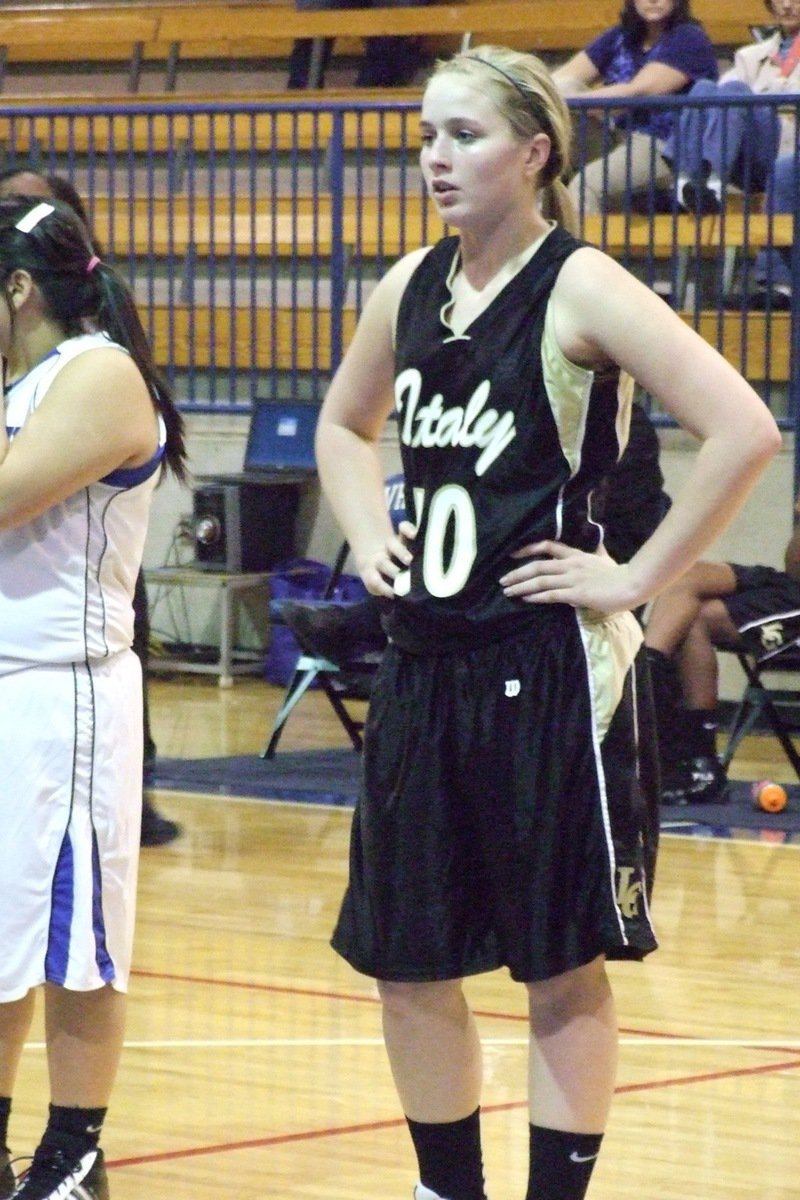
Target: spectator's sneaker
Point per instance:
(777, 297)
(56, 1175)
(700, 199)
(8, 1180)
(699, 780)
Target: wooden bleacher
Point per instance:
(756, 343)
(232, 226)
(194, 336)
(369, 226)
(156, 132)
(373, 225)
(225, 336)
(224, 234)
(141, 31)
(231, 230)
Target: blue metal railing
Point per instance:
(251, 233)
(712, 278)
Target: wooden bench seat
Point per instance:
(32, 33)
(70, 35)
(158, 132)
(161, 133)
(372, 228)
(541, 23)
(223, 337)
(757, 344)
(153, 31)
(158, 222)
(374, 225)
(660, 235)
(755, 230)
(299, 339)
(664, 232)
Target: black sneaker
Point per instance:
(699, 199)
(699, 780)
(8, 1180)
(56, 1175)
(777, 297)
(157, 830)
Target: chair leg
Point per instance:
(352, 728)
(307, 670)
(757, 700)
(744, 720)
(305, 673)
(782, 734)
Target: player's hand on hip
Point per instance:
(554, 573)
(380, 569)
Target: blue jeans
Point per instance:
(774, 266)
(739, 143)
(387, 61)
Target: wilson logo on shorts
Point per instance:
(628, 892)
(512, 687)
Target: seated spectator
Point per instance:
(387, 61)
(703, 611)
(655, 50)
(712, 146)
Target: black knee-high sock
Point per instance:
(5, 1113)
(450, 1157)
(561, 1163)
(668, 708)
(701, 731)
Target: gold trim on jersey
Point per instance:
(611, 644)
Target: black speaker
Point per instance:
(241, 527)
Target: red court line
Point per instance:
(359, 998)
(285, 990)
(272, 988)
(708, 1077)
(307, 1135)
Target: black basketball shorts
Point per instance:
(508, 814)
(761, 592)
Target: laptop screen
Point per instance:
(281, 436)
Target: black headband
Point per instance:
(510, 78)
(531, 99)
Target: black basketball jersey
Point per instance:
(503, 442)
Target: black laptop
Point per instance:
(280, 444)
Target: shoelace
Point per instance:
(16, 1162)
(51, 1169)
(9, 1173)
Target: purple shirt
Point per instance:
(686, 48)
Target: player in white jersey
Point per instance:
(89, 425)
(502, 815)
(157, 829)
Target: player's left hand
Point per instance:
(555, 573)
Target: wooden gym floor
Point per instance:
(254, 1066)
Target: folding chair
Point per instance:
(345, 681)
(770, 646)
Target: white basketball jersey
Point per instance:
(67, 577)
